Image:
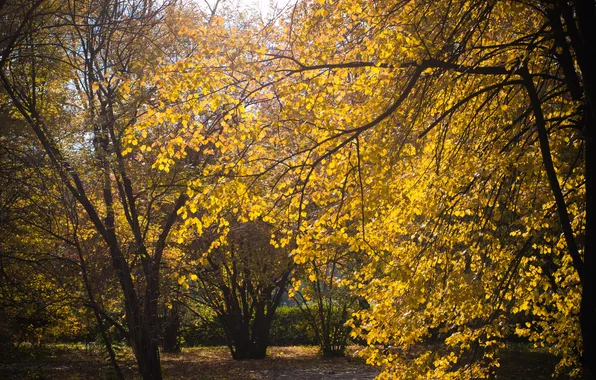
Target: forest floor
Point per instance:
(215, 363)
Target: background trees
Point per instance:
(242, 281)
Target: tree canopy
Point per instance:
(442, 151)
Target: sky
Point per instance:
(263, 6)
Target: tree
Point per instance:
(462, 149)
(320, 288)
(242, 278)
(46, 249)
(203, 105)
(74, 72)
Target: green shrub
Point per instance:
(290, 327)
(204, 331)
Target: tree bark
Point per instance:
(587, 313)
(581, 27)
(171, 329)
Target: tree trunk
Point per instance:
(579, 19)
(249, 350)
(100, 325)
(260, 333)
(587, 313)
(146, 349)
(170, 341)
(249, 342)
(149, 361)
(583, 40)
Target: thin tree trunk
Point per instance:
(171, 329)
(100, 324)
(587, 313)
(583, 39)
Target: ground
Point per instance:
(200, 363)
(215, 363)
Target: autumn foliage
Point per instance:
(423, 169)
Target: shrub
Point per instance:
(290, 327)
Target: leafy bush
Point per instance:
(290, 327)
(206, 331)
